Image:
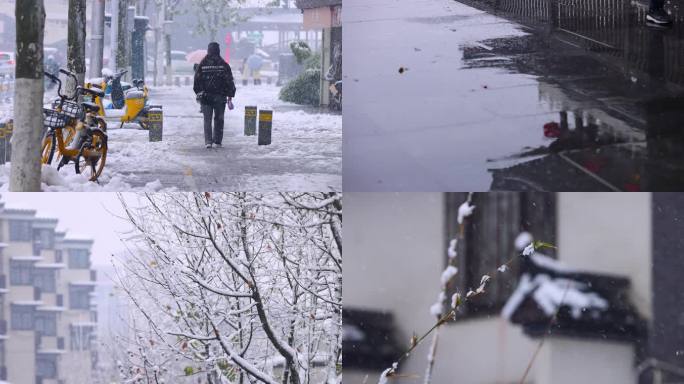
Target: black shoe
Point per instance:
(659, 17)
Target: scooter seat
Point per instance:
(90, 107)
(92, 92)
(134, 94)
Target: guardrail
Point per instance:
(613, 28)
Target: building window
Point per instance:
(20, 230)
(489, 241)
(22, 317)
(46, 323)
(46, 366)
(80, 338)
(79, 259)
(45, 280)
(79, 297)
(21, 272)
(43, 239)
(58, 256)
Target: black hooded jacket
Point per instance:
(214, 76)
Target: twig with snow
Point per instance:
(456, 301)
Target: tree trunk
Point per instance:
(28, 96)
(167, 50)
(76, 38)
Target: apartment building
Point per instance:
(47, 321)
(624, 248)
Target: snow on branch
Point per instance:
(232, 287)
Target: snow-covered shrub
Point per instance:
(303, 89)
(301, 50)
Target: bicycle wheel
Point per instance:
(48, 151)
(68, 134)
(93, 155)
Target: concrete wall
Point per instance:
(571, 361)
(609, 233)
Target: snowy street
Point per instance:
(305, 154)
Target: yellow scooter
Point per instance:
(132, 102)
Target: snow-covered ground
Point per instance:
(305, 154)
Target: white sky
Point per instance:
(82, 215)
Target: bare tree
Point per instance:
(210, 15)
(76, 38)
(28, 96)
(237, 287)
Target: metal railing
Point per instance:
(612, 28)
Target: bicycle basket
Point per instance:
(54, 119)
(72, 109)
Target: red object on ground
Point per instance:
(552, 130)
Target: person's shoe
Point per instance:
(207, 146)
(218, 145)
(658, 17)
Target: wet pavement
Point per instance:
(555, 95)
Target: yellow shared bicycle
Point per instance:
(74, 132)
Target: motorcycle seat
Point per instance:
(90, 107)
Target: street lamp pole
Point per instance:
(97, 38)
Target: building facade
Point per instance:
(398, 245)
(326, 16)
(47, 321)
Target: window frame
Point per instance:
(22, 317)
(21, 272)
(534, 212)
(39, 277)
(79, 292)
(45, 323)
(78, 258)
(23, 233)
(46, 360)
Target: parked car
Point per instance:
(7, 62)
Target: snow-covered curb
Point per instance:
(67, 180)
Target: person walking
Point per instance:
(657, 15)
(214, 88)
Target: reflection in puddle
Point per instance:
(617, 87)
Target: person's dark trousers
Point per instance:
(656, 5)
(217, 109)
